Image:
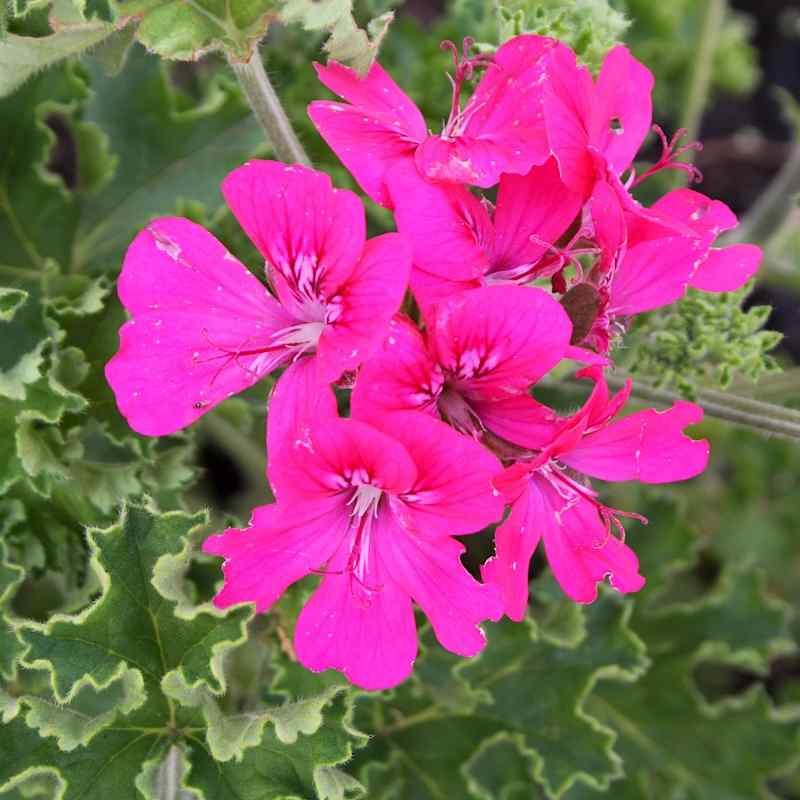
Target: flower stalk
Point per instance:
(268, 109)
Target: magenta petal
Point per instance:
(533, 211)
(452, 494)
(515, 542)
(700, 213)
(275, 550)
(401, 376)
(378, 127)
(455, 603)
(727, 269)
(309, 232)
(623, 109)
(366, 304)
(519, 419)
(653, 274)
(568, 102)
(202, 328)
(298, 400)
(647, 446)
(580, 550)
(452, 238)
(500, 339)
(366, 631)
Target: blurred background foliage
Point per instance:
(689, 690)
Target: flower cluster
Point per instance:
(444, 435)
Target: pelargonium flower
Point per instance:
(552, 499)
(460, 242)
(204, 328)
(480, 354)
(501, 128)
(373, 509)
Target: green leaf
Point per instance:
(137, 691)
(347, 42)
(671, 740)
(131, 623)
(167, 151)
(11, 647)
(90, 711)
(528, 686)
(10, 301)
(187, 30)
(24, 56)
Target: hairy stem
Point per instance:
(763, 417)
(268, 110)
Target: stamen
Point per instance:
(464, 68)
(670, 153)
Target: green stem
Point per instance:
(773, 206)
(268, 109)
(763, 417)
(702, 69)
(170, 773)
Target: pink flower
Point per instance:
(473, 367)
(552, 499)
(460, 242)
(204, 328)
(373, 509)
(501, 128)
(608, 118)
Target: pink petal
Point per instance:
(202, 328)
(452, 494)
(451, 239)
(310, 233)
(275, 550)
(533, 211)
(519, 419)
(623, 111)
(727, 269)
(367, 301)
(298, 400)
(610, 229)
(653, 274)
(702, 214)
(312, 467)
(401, 376)
(501, 339)
(367, 631)
(580, 551)
(455, 603)
(515, 542)
(647, 446)
(380, 128)
(568, 103)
